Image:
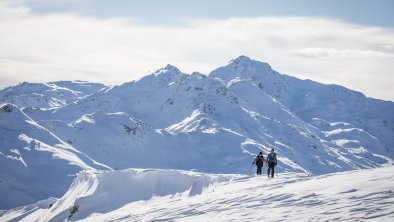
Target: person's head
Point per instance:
(272, 150)
(261, 153)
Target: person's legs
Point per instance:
(258, 170)
(270, 169)
(273, 169)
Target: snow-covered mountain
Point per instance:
(49, 95)
(332, 108)
(212, 123)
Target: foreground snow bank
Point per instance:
(143, 195)
(95, 192)
(363, 195)
(104, 192)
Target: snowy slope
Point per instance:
(35, 164)
(119, 141)
(166, 195)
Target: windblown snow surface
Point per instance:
(168, 195)
(103, 139)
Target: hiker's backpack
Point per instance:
(260, 160)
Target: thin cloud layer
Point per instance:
(50, 47)
(341, 53)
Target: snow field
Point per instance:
(170, 195)
(100, 192)
(365, 195)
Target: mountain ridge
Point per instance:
(212, 123)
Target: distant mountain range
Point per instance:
(212, 123)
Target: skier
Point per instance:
(271, 162)
(259, 161)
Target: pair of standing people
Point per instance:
(271, 162)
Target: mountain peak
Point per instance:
(241, 59)
(168, 69)
(242, 67)
(246, 61)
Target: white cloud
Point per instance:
(64, 46)
(340, 53)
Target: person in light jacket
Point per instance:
(271, 162)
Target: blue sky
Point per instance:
(365, 12)
(348, 42)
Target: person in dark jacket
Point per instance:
(259, 161)
(271, 162)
